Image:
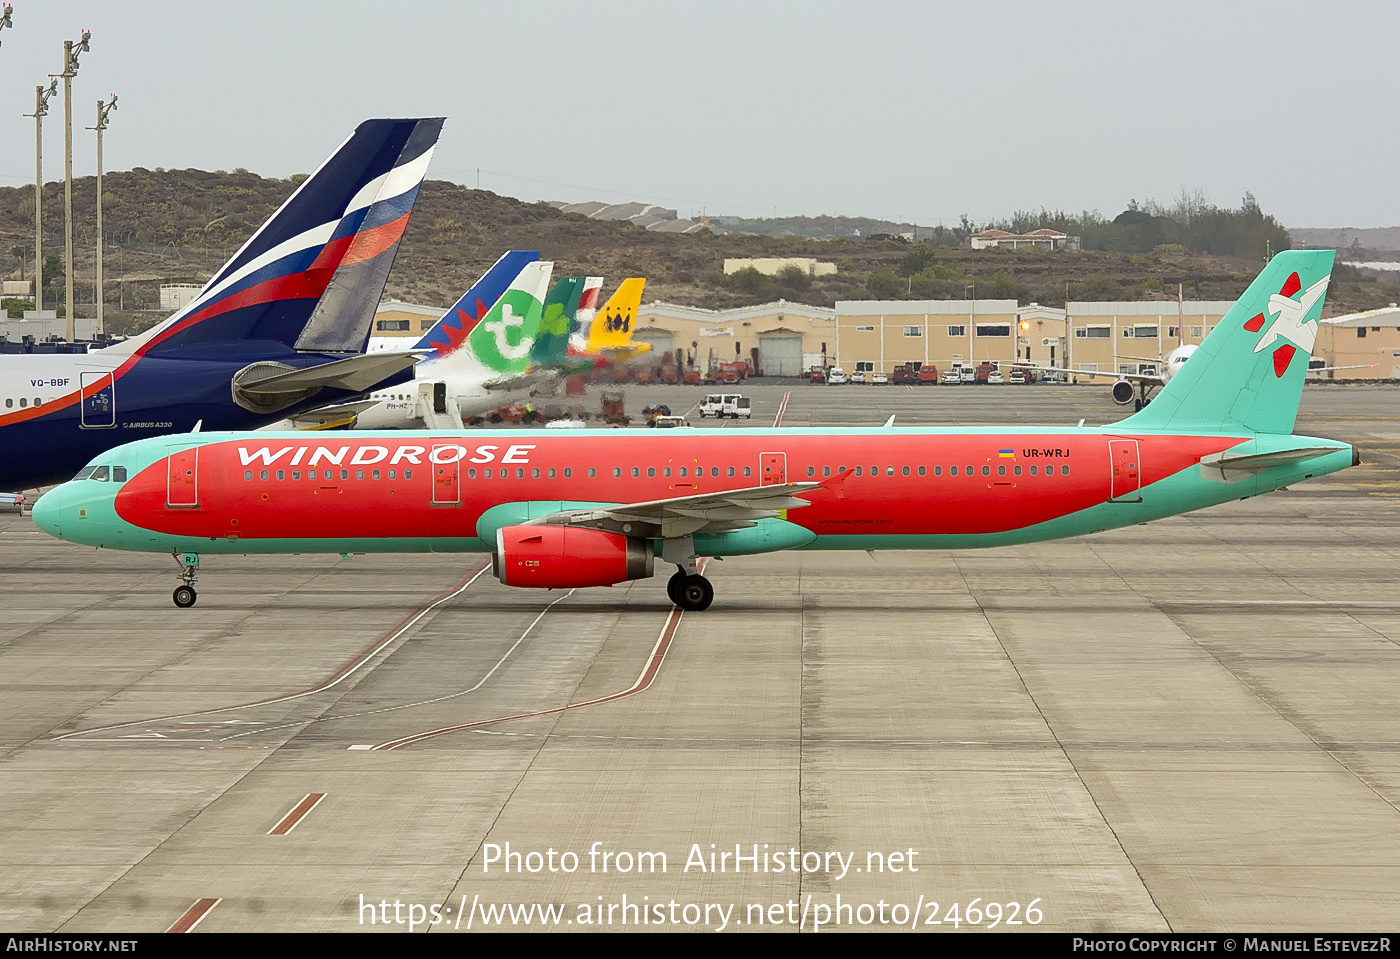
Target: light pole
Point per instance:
(102, 110)
(5, 11)
(41, 110)
(70, 70)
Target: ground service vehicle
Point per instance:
(576, 508)
(928, 375)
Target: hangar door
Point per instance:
(780, 354)
(662, 341)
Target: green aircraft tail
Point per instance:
(1247, 375)
(557, 322)
(502, 341)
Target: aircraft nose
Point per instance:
(47, 511)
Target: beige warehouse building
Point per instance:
(790, 337)
(1367, 342)
(1114, 338)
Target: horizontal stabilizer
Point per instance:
(354, 374)
(1231, 468)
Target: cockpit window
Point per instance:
(101, 474)
(118, 474)
(84, 473)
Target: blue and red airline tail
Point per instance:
(311, 277)
(450, 332)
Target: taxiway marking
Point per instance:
(644, 680)
(193, 915)
(298, 812)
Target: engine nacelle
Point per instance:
(564, 557)
(1123, 392)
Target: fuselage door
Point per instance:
(446, 488)
(99, 394)
(772, 469)
(1125, 482)
(182, 477)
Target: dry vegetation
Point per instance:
(180, 225)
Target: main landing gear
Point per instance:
(184, 595)
(687, 588)
(690, 591)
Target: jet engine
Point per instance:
(1123, 392)
(565, 557)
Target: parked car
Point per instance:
(995, 378)
(835, 376)
(968, 374)
(928, 374)
(1018, 378)
(950, 378)
(879, 379)
(858, 376)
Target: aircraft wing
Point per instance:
(1152, 378)
(683, 515)
(520, 381)
(355, 374)
(329, 417)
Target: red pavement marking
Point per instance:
(298, 813)
(193, 915)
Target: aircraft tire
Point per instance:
(695, 594)
(184, 596)
(673, 586)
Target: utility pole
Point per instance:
(41, 110)
(102, 110)
(70, 70)
(5, 11)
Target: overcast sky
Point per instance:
(917, 111)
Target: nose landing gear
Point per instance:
(185, 595)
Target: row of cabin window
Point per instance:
(683, 471)
(938, 470)
(328, 474)
(23, 402)
(617, 472)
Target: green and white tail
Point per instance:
(1247, 376)
(502, 341)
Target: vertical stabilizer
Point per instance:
(1248, 373)
(502, 341)
(613, 326)
(456, 324)
(333, 240)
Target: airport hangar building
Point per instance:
(870, 335)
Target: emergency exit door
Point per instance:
(447, 490)
(182, 477)
(772, 469)
(1125, 481)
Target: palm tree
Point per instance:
(23, 252)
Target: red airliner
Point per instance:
(598, 507)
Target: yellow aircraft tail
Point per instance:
(611, 332)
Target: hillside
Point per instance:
(180, 225)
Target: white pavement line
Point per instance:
(782, 408)
(411, 705)
(297, 813)
(194, 915)
(336, 679)
(650, 670)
